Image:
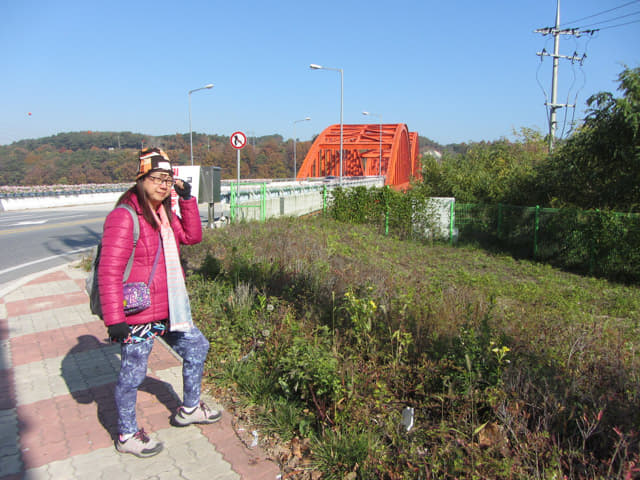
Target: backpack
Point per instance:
(91, 283)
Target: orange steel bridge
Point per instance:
(361, 153)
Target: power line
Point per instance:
(619, 25)
(611, 19)
(601, 13)
(553, 105)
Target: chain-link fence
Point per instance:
(589, 241)
(594, 242)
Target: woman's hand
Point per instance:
(118, 332)
(183, 189)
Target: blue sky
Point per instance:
(455, 71)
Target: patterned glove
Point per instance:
(185, 191)
(118, 331)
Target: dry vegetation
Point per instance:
(322, 334)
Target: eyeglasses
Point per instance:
(167, 181)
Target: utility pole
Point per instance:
(556, 32)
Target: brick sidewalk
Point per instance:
(57, 412)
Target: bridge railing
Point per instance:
(292, 191)
(258, 201)
(57, 190)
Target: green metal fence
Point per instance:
(592, 241)
(600, 243)
(259, 199)
(235, 208)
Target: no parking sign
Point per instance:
(238, 140)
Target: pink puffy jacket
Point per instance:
(117, 244)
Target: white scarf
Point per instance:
(179, 308)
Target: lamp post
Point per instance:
(380, 117)
(208, 86)
(295, 166)
(313, 66)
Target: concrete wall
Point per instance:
(282, 197)
(293, 198)
(434, 219)
(292, 205)
(48, 201)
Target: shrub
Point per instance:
(514, 369)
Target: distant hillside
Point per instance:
(110, 157)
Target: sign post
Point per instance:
(238, 141)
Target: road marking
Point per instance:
(52, 225)
(32, 222)
(18, 218)
(40, 260)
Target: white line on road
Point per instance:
(18, 267)
(16, 218)
(32, 222)
(50, 226)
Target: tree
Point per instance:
(599, 165)
(97, 157)
(488, 172)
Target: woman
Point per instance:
(169, 315)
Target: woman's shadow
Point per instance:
(90, 370)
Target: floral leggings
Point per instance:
(191, 346)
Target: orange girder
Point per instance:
(361, 153)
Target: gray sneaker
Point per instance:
(202, 414)
(140, 445)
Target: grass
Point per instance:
(514, 369)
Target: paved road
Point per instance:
(35, 240)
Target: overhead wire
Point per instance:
(566, 107)
(573, 82)
(601, 13)
(611, 19)
(584, 79)
(574, 59)
(619, 25)
(573, 106)
(544, 92)
(601, 22)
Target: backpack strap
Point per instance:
(155, 262)
(136, 236)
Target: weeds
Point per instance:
(514, 370)
(344, 455)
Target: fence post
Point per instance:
(451, 221)
(324, 199)
(535, 232)
(263, 202)
(592, 243)
(232, 203)
(386, 212)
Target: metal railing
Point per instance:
(271, 197)
(235, 207)
(597, 242)
(600, 243)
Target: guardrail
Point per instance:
(258, 201)
(46, 196)
(25, 198)
(57, 190)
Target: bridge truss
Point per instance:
(361, 153)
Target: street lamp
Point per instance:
(295, 166)
(380, 117)
(210, 85)
(313, 66)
